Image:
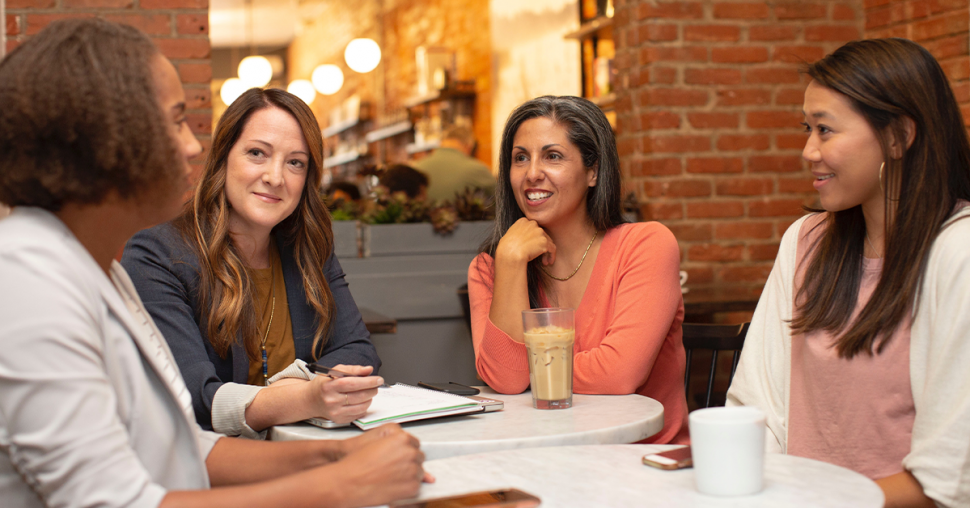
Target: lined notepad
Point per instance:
(405, 403)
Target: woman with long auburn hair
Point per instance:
(244, 284)
(858, 349)
(560, 241)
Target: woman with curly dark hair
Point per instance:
(94, 147)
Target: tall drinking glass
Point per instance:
(549, 337)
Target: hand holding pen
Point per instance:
(342, 393)
(333, 373)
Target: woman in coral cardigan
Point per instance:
(560, 241)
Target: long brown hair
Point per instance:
(887, 81)
(588, 129)
(226, 293)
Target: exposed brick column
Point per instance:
(941, 26)
(180, 28)
(708, 110)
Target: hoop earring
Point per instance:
(881, 166)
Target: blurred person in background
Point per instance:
(452, 166)
(404, 178)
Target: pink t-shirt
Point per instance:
(855, 413)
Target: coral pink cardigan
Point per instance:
(628, 326)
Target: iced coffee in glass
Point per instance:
(549, 337)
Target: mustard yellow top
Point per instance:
(280, 351)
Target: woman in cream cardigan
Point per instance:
(858, 349)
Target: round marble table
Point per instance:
(614, 476)
(593, 419)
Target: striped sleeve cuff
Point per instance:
(229, 410)
(296, 370)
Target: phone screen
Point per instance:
(496, 498)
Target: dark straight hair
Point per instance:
(588, 129)
(887, 81)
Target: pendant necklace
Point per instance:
(272, 311)
(580, 262)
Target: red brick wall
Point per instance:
(180, 28)
(941, 26)
(708, 110)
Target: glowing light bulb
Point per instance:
(231, 89)
(302, 89)
(327, 79)
(362, 55)
(255, 71)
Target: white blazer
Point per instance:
(93, 410)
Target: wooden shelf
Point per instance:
(337, 128)
(465, 92)
(391, 130)
(340, 158)
(590, 27)
(413, 148)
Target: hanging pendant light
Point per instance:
(302, 89)
(231, 89)
(362, 55)
(327, 79)
(255, 71)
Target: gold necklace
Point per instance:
(580, 262)
(272, 311)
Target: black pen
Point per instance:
(333, 373)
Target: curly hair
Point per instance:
(225, 288)
(80, 117)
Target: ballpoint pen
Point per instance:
(333, 373)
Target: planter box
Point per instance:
(410, 273)
(409, 239)
(346, 239)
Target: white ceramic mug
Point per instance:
(728, 449)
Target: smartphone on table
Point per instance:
(504, 498)
(679, 458)
(449, 387)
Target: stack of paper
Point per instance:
(405, 403)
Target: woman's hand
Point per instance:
(523, 242)
(386, 465)
(344, 399)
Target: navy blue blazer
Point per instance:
(165, 272)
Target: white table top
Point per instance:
(614, 476)
(593, 419)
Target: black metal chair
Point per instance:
(715, 338)
(466, 307)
